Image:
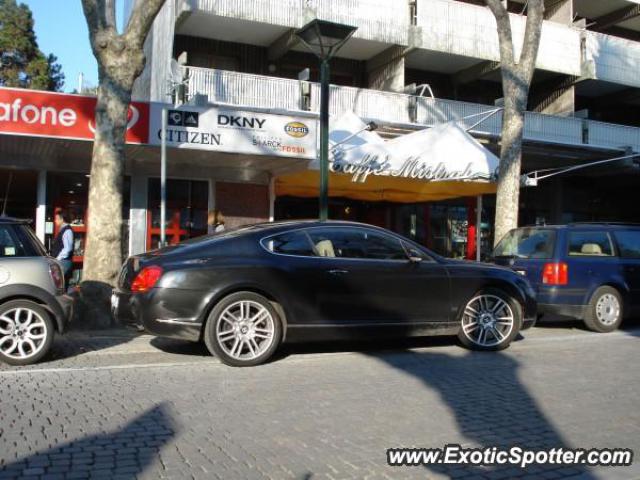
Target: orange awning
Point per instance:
(379, 188)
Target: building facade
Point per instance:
(411, 64)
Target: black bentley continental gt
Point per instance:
(246, 291)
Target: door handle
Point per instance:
(338, 272)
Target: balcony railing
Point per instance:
(470, 30)
(612, 59)
(380, 20)
(257, 91)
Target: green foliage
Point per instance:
(22, 63)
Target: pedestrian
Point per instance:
(62, 247)
(215, 222)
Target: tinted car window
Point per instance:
(590, 244)
(12, 244)
(291, 243)
(628, 243)
(527, 243)
(356, 243)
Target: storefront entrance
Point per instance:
(187, 209)
(447, 227)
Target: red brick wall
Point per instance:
(242, 203)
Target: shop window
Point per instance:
(187, 209)
(593, 244)
(19, 188)
(70, 192)
(628, 243)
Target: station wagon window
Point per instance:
(527, 243)
(290, 243)
(356, 243)
(628, 243)
(590, 244)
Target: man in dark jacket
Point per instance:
(62, 247)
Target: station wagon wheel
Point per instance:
(243, 329)
(489, 321)
(26, 332)
(605, 310)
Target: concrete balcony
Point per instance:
(469, 32)
(396, 109)
(380, 23)
(612, 59)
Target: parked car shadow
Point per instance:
(492, 408)
(126, 452)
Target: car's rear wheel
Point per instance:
(243, 329)
(26, 332)
(490, 321)
(604, 312)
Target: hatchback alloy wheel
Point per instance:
(25, 332)
(488, 322)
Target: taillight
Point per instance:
(555, 274)
(56, 275)
(146, 279)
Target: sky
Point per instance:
(62, 30)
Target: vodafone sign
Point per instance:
(48, 114)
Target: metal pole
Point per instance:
(478, 226)
(163, 179)
(324, 140)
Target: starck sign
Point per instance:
(48, 114)
(235, 131)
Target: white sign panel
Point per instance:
(235, 131)
(442, 153)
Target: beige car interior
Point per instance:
(325, 248)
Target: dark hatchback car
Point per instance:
(588, 271)
(245, 291)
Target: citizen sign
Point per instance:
(48, 114)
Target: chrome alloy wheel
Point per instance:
(487, 320)
(245, 330)
(23, 333)
(607, 309)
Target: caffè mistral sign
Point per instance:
(445, 152)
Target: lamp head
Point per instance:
(325, 38)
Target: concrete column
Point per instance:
(41, 209)
(385, 71)
(559, 11)
(138, 215)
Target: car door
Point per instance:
(366, 277)
(628, 243)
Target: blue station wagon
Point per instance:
(588, 271)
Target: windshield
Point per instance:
(527, 243)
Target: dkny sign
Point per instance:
(235, 131)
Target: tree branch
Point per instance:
(531, 41)
(142, 16)
(504, 31)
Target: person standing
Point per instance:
(215, 222)
(62, 247)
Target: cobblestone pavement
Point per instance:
(115, 405)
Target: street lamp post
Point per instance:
(324, 39)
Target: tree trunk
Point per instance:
(103, 253)
(507, 197)
(120, 61)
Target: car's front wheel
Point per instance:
(243, 329)
(26, 332)
(490, 321)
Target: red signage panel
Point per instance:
(49, 114)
